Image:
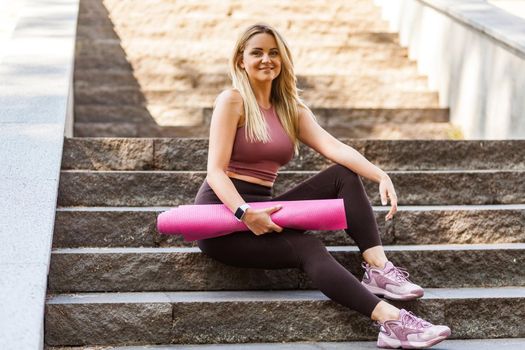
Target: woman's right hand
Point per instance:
(259, 220)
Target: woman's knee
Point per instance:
(211, 247)
(346, 175)
(219, 250)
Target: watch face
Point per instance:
(239, 213)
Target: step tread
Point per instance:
(463, 344)
(400, 172)
(375, 208)
(387, 248)
(262, 296)
(393, 130)
(371, 142)
(149, 188)
(190, 153)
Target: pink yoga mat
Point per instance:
(213, 220)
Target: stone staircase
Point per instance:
(115, 282)
(153, 70)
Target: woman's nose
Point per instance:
(266, 58)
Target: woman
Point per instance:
(256, 128)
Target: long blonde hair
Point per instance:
(284, 95)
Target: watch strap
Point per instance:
(239, 213)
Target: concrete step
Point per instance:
(114, 54)
(145, 18)
(231, 7)
(397, 131)
(271, 316)
(92, 78)
(382, 97)
(383, 131)
(156, 120)
(306, 65)
(210, 75)
(463, 344)
(188, 116)
(299, 43)
(224, 43)
(170, 188)
(216, 27)
(191, 154)
(188, 269)
(136, 227)
(354, 69)
(342, 59)
(237, 9)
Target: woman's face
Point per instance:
(261, 58)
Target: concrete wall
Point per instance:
(35, 87)
(473, 54)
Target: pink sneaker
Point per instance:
(390, 282)
(410, 332)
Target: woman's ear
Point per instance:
(240, 62)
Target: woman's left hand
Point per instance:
(386, 190)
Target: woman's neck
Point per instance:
(262, 92)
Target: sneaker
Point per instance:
(410, 332)
(390, 282)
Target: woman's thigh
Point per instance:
(323, 185)
(273, 250)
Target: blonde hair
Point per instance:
(284, 94)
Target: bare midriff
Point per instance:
(248, 178)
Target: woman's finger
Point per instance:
(393, 202)
(393, 209)
(392, 195)
(277, 228)
(272, 210)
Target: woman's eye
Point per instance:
(272, 54)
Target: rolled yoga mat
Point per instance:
(213, 220)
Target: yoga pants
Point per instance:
(297, 249)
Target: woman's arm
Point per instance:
(223, 126)
(226, 114)
(314, 136)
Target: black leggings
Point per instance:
(294, 248)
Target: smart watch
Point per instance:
(239, 213)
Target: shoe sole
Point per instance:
(397, 344)
(388, 295)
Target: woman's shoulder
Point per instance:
(304, 111)
(231, 98)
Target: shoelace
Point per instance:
(399, 273)
(412, 320)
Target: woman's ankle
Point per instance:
(385, 312)
(378, 264)
(375, 257)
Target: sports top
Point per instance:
(259, 159)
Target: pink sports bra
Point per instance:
(259, 159)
